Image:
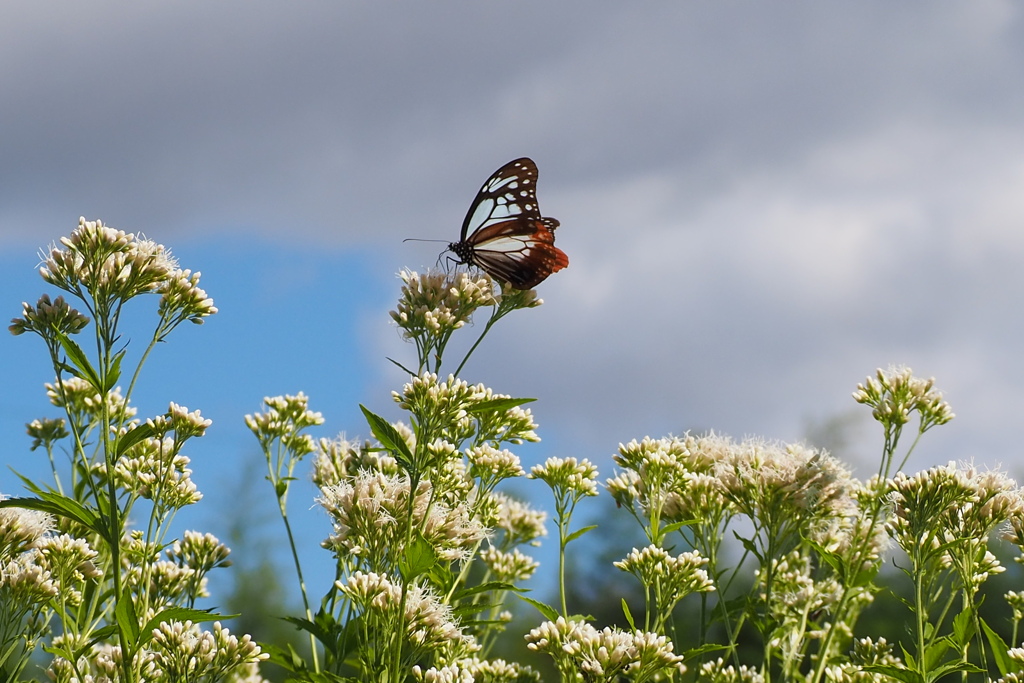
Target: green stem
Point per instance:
(114, 537)
(138, 368)
(919, 612)
(302, 581)
(275, 464)
(487, 328)
(396, 659)
(909, 450)
(563, 508)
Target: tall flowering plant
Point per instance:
(754, 541)
(815, 538)
(426, 550)
(120, 599)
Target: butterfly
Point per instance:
(510, 240)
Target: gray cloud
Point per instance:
(761, 203)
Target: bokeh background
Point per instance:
(761, 203)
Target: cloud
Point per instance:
(760, 203)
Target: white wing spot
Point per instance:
(512, 246)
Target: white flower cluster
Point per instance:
(436, 302)
(895, 393)
(576, 646)
(429, 622)
(578, 477)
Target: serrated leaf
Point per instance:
(114, 371)
(964, 629)
(999, 650)
(63, 367)
(133, 436)
(580, 618)
(127, 620)
(308, 626)
(549, 612)
(749, 546)
(497, 405)
(106, 633)
(31, 485)
(60, 506)
(934, 653)
(285, 657)
(389, 437)
(61, 652)
(908, 658)
(80, 361)
(417, 559)
(579, 532)
(951, 667)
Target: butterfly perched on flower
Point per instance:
(503, 232)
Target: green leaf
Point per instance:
(418, 558)
(325, 677)
(80, 362)
(317, 630)
(497, 405)
(60, 652)
(579, 532)
(401, 366)
(676, 526)
(131, 437)
(469, 591)
(908, 658)
(288, 659)
(31, 485)
(441, 577)
(127, 621)
(389, 437)
(60, 506)
(114, 372)
(106, 633)
(896, 673)
(999, 651)
(951, 667)
(934, 653)
(628, 614)
(580, 617)
(464, 612)
(695, 652)
(749, 546)
(196, 616)
(549, 612)
(964, 629)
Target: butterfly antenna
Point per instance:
(414, 239)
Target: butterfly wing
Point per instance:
(504, 232)
(520, 251)
(510, 192)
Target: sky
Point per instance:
(762, 203)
